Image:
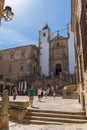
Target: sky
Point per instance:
(30, 16)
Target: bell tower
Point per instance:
(45, 35)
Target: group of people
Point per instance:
(31, 94)
(40, 93)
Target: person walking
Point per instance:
(14, 93)
(54, 95)
(31, 94)
(39, 91)
(42, 93)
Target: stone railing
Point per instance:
(68, 90)
(17, 110)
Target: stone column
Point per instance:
(4, 122)
(1, 8)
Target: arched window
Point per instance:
(57, 44)
(44, 34)
(21, 69)
(23, 54)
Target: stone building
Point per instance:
(50, 58)
(58, 59)
(19, 63)
(53, 53)
(79, 27)
(27, 63)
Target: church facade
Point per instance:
(30, 61)
(53, 53)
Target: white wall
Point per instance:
(71, 50)
(44, 51)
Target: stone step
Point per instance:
(41, 122)
(34, 116)
(54, 120)
(56, 115)
(57, 112)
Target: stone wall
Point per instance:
(17, 63)
(70, 91)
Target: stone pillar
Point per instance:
(10, 89)
(1, 8)
(4, 122)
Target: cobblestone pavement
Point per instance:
(52, 104)
(15, 126)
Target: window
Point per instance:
(86, 6)
(44, 34)
(21, 68)
(10, 70)
(22, 54)
(57, 44)
(12, 56)
(1, 76)
(1, 57)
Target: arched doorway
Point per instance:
(58, 69)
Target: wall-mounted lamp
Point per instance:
(7, 13)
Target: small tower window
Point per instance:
(57, 44)
(44, 34)
(10, 70)
(21, 68)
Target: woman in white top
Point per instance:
(39, 91)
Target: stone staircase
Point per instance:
(53, 117)
(63, 80)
